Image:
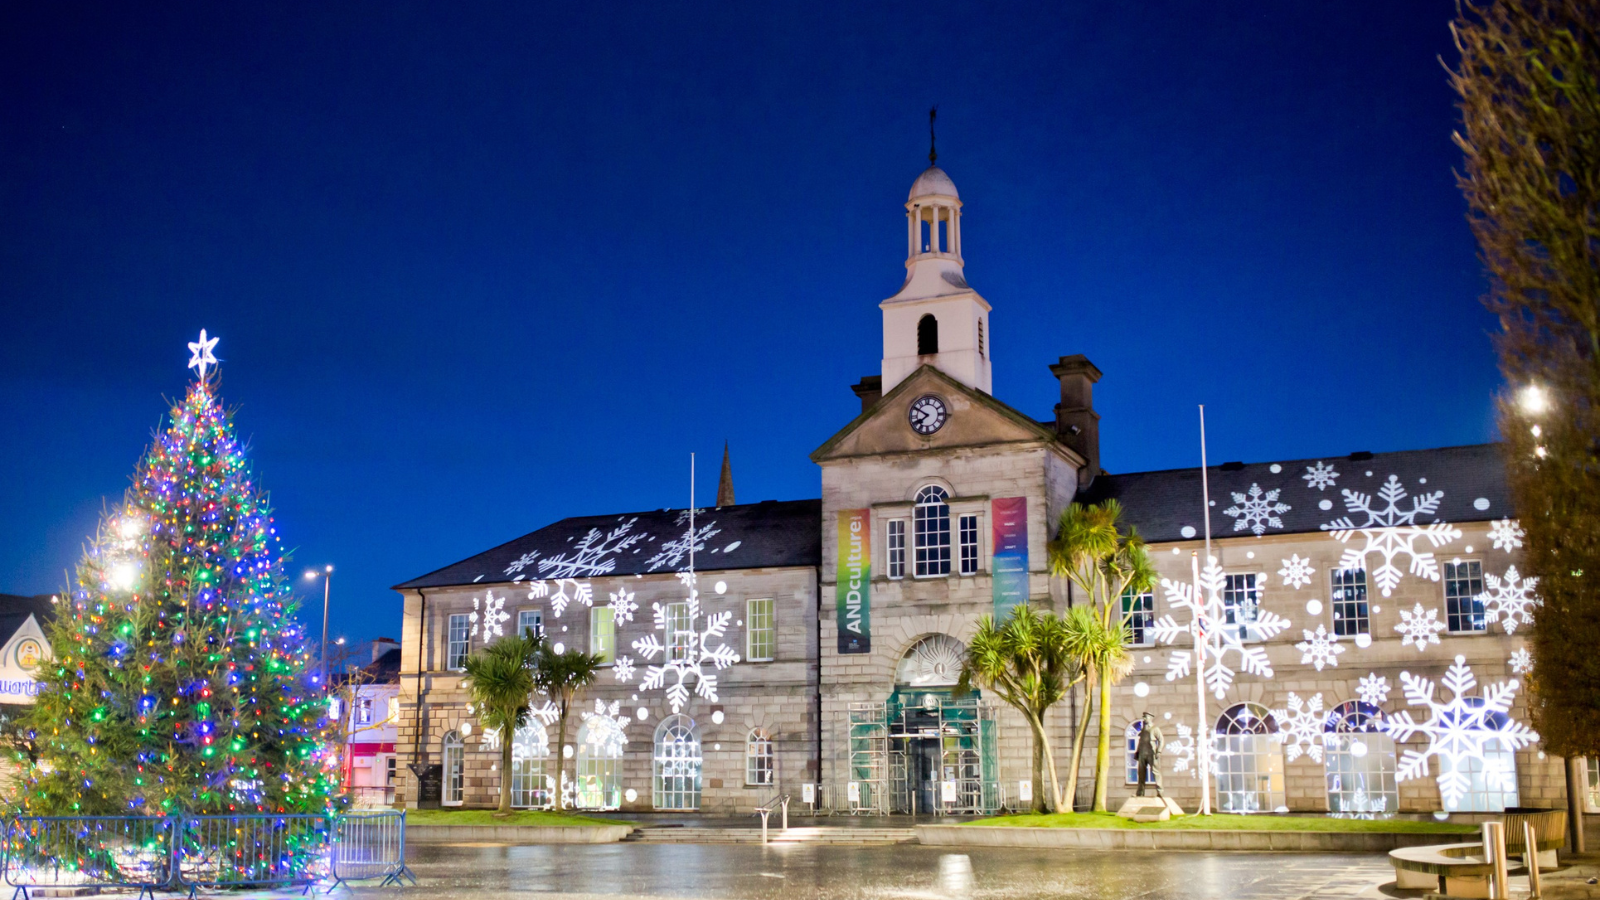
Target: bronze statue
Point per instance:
(1147, 754)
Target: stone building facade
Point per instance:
(812, 647)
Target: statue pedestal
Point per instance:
(1149, 809)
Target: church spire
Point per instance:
(725, 483)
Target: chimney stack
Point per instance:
(383, 645)
(869, 389)
(1077, 424)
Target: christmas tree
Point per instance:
(181, 679)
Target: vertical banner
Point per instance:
(854, 576)
(1009, 572)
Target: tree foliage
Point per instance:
(500, 680)
(559, 677)
(1529, 83)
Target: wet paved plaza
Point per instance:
(893, 872)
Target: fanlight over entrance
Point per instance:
(934, 661)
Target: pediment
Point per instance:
(975, 420)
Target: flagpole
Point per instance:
(1202, 732)
(691, 512)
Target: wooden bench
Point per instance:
(1456, 870)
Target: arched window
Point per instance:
(600, 745)
(934, 661)
(677, 764)
(1130, 739)
(530, 789)
(927, 335)
(1359, 761)
(454, 787)
(931, 523)
(1488, 778)
(1248, 760)
(758, 768)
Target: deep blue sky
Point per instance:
(477, 267)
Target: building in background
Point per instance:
(370, 709)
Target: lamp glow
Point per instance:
(1533, 399)
(123, 575)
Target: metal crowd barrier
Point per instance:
(88, 852)
(185, 853)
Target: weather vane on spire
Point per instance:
(933, 153)
(200, 354)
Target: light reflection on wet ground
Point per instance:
(902, 872)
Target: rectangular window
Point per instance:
(1138, 617)
(388, 776)
(394, 709)
(969, 545)
(679, 635)
(1241, 604)
(1592, 766)
(758, 758)
(1349, 602)
(897, 548)
(931, 530)
(530, 620)
(1463, 583)
(363, 710)
(761, 632)
(456, 651)
(603, 633)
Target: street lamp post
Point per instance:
(327, 580)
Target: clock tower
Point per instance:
(935, 318)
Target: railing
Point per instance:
(371, 796)
(190, 852)
(765, 810)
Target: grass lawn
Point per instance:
(1226, 822)
(487, 817)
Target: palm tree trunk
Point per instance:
(1039, 749)
(1078, 734)
(505, 772)
(1050, 765)
(1102, 760)
(561, 754)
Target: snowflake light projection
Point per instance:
(1505, 534)
(675, 553)
(531, 741)
(1208, 618)
(494, 613)
(608, 730)
(1373, 689)
(582, 594)
(1320, 476)
(1296, 571)
(1319, 648)
(688, 650)
(1521, 661)
(1511, 597)
(1391, 531)
(522, 562)
(1181, 750)
(1458, 730)
(1300, 727)
(1419, 626)
(596, 554)
(622, 669)
(622, 606)
(1256, 510)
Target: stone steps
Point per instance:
(808, 834)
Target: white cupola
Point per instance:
(935, 318)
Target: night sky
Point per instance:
(477, 267)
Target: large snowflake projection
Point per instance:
(1392, 531)
(1181, 751)
(688, 651)
(1320, 476)
(1511, 597)
(623, 605)
(581, 594)
(1457, 730)
(1296, 571)
(1505, 534)
(531, 740)
(595, 554)
(622, 669)
(522, 562)
(1300, 727)
(607, 731)
(1208, 625)
(493, 613)
(1373, 689)
(675, 553)
(1419, 626)
(1319, 648)
(1521, 661)
(1256, 510)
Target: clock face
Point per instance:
(927, 414)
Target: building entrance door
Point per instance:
(925, 773)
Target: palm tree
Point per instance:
(1093, 648)
(1026, 664)
(500, 682)
(1093, 551)
(559, 677)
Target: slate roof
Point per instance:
(14, 610)
(1163, 504)
(752, 535)
(386, 668)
